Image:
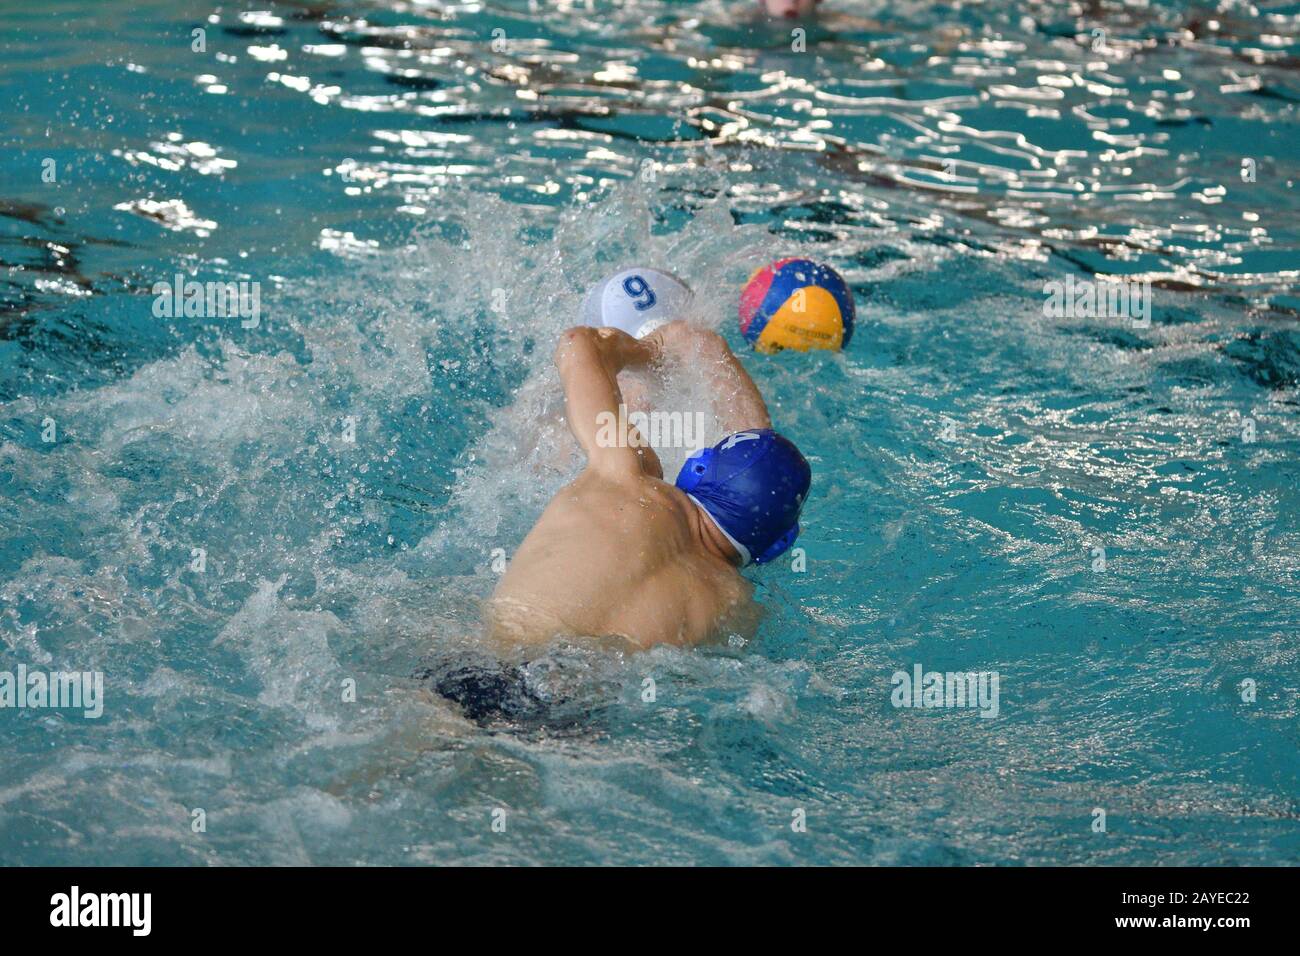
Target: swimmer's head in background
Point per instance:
(753, 485)
(636, 300)
(788, 8)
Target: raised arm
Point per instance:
(737, 401)
(589, 361)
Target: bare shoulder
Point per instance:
(629, 500)
(597, 480)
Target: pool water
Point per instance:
(239, 522)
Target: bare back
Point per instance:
(617, 557)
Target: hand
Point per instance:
(619, 350)
(612, 348)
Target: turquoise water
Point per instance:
(423, 210)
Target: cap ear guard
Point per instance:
(693, 469)
(780, 546)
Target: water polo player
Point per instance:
(620, 552)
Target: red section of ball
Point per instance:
(753, 294)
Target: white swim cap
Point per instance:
(636, 300)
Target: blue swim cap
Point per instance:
(753, 485)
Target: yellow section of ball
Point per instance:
(809, 319)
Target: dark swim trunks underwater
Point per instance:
(488, 690)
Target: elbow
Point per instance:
(710, 347)
(684, 337)
(710, 341)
